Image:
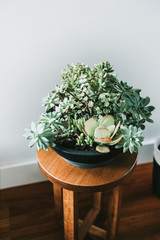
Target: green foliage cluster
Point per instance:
(90, 93)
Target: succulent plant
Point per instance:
(92, 110)
(132, 139)
(103, 132)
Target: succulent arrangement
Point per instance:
(91, 110)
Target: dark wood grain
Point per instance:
(77, 179)
(28, 212)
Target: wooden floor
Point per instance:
(27, 212)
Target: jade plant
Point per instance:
(103, 132)
(92, 111)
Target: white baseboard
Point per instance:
(27, 172)
(17, 174)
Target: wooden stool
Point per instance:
(69, 180)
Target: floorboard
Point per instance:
(27, 212)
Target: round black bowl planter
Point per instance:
(86, 159)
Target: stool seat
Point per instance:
(70, 177)
(69, 180)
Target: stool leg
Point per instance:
(70, 214)
(113, 212)
(97, 200)
(58, 204)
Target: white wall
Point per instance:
(39, 37)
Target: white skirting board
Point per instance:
(27, 172)
(13, 175)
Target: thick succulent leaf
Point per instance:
(116, 139)
(103, 140)
(90, 126)
(111, 128)
(101, 132)
(102, 149)
(107, 121)
(116, 129)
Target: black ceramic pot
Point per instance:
(86, 159)
(156, 168)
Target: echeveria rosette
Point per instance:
(41, 135)
(132, 139)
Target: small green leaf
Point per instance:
(102, 149)
(90, 104)
(32, 142)
(150, 108)
(131, 147)
(146, 101)
(125, 149)
(116, 139)
(102, 132)
(111, 128)
(150, 120)
(90, 126)
(106, 121)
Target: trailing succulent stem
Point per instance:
(92, 110)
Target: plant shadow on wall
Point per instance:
(92, 111)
